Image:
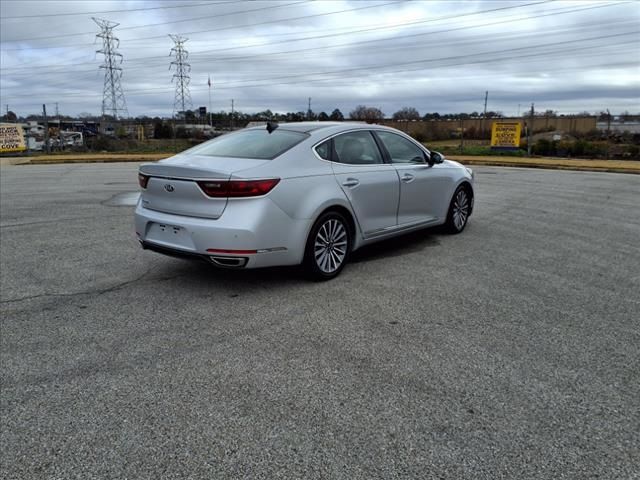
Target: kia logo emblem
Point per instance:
(169, 188)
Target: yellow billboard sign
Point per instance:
(505, 135)
(11, 138)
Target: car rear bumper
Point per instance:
(251, 233)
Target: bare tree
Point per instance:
(406, 113)
(367, 114)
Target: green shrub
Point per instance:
(632, 151)
(584, 148)
(544, 147)
(100, 143)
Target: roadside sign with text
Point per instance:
(505, 135)
(11, 138)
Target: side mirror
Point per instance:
(436, 157)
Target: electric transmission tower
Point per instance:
(112, 95)
(183, 97)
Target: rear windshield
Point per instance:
(250, 144)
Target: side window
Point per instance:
(400, 149)
(324, 150)
(357, 148)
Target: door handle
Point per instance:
(407, 177)
(351, 182)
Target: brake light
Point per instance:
(238, 188)
(143, 180)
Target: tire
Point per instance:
(328, 247)
(459, 211)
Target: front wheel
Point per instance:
(459, 211)
(328, 246)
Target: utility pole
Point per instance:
(309, 110)
(60, 141)
(210, 115)
(529, 131)
(46, 129)
(484, 115)
(112, 95)
(608, 130)
(461, 134)
(182, 97)
(232, 114)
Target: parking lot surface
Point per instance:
(509, 351)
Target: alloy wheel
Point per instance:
(460, 209)
(330, 245)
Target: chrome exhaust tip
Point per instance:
(228, 262)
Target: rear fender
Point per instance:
(311, 198)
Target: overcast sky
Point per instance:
(442, 56)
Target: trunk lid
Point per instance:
(172, 186)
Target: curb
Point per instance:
(88, 159)
(551, 166)
(578, 164)
(630, 166)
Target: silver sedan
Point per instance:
(301, 193)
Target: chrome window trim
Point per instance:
(313, 149)
(401, 134)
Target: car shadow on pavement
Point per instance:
(398, 246)
(200, 273)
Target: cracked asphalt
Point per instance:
(510, 351)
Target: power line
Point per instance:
(325, 35)
(448, 44)
(313, 77)
(70, 14)
(363, 42)
(386, 26)
(602, 46)
(553, 13)
(377, 67)
(375, 28)
(216, 29)
(467, 41)
(148, 25)
(283, 34)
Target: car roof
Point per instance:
(319, 130)
(307, 127)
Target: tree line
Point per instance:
(360, 113)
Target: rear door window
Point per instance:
(357, 148)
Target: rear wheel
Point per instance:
(328, 246)
(459, 211)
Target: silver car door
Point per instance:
(423, 188)
(371, 185)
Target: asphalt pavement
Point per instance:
(509, 351)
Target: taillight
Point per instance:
(238, 188)
(143, 180)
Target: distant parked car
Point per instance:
(300, 193)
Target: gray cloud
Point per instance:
(568, 56)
